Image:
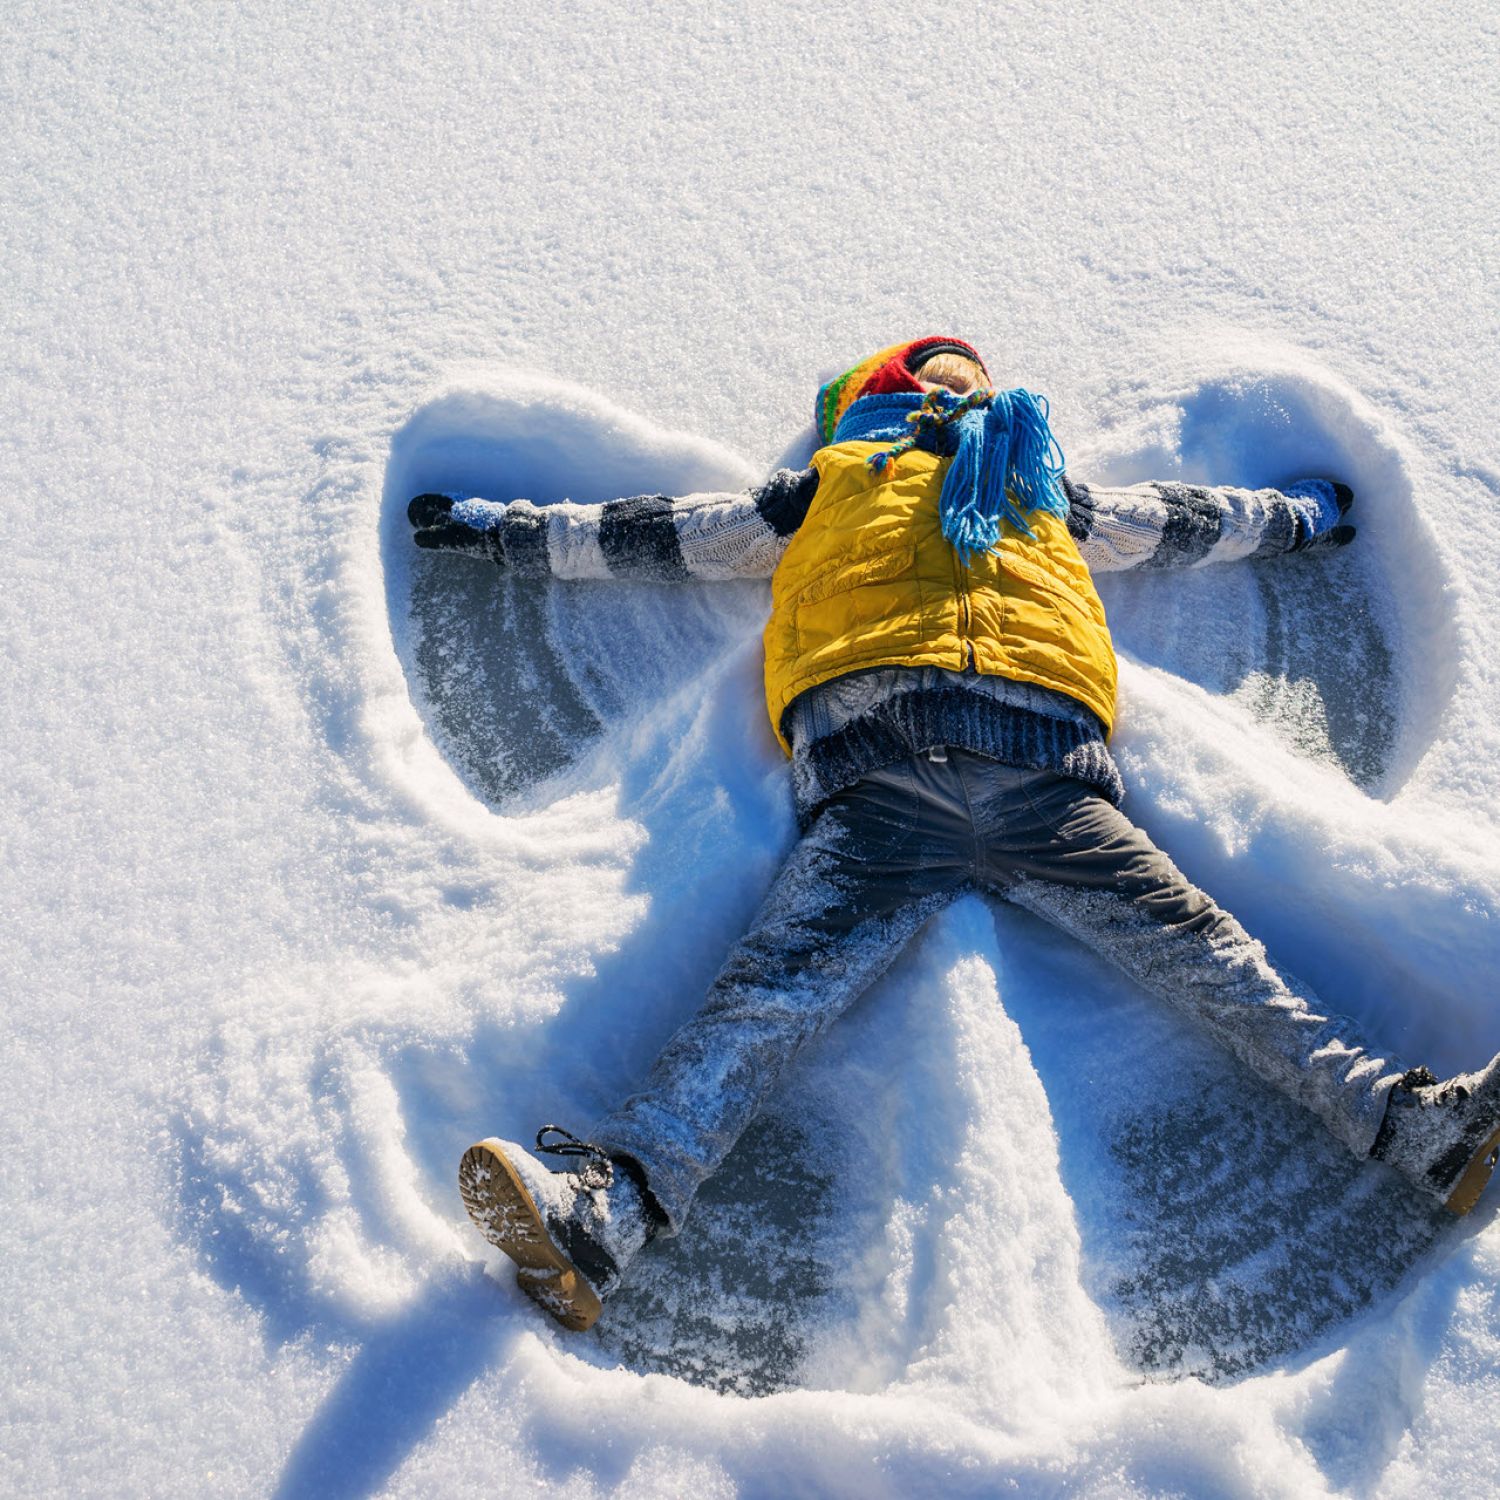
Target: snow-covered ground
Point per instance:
(322, 858)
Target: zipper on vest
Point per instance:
(965, 609)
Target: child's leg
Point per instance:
(881, 858)
(1071, 857)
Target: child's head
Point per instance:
(952, 372)
(915, 366)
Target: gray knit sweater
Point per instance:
(841, 729)
(847, 727)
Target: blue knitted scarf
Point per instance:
(1006, 463)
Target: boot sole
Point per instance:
(506, 1214)
(1475, 1179)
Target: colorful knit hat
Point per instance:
(880, 374)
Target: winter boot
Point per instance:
(1444, 1137)
(571, 1233)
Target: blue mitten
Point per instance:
(1319, 506)
(443, 524)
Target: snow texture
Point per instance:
(324, 859)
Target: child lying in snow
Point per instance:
(939, 670)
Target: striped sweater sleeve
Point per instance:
(659, 539)
(1164, 525)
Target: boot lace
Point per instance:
(596, 1169)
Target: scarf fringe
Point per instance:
(1006, 462)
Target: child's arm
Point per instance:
(1162, 525)
(651, 537)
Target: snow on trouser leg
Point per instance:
(851, 895)
(1097, 876)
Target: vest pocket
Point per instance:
(1059, 593)
(841, 575)
(859, 600)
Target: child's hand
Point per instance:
(1320, 506)
(471, 526)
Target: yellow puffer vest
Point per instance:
(869, 580)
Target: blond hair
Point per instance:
(956, 371)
